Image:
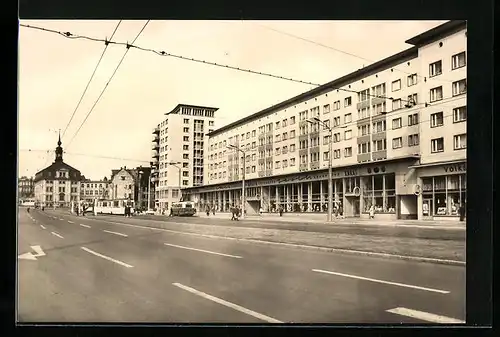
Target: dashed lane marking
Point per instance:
(381, 281)
(70, 221)
(116, 233)
(425, 316)
(107, 258)
(87, 226)
(43, 227)
(58, 235)
(228, 304)
(203, 251)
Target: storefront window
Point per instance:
(380, 191)
(443, 195)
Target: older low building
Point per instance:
(25, 187)
(94, 189)
(57, 184)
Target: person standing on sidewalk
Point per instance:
(461, 212)
(280, 209)
(372, 212)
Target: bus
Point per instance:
(116, 206)
(183, 208)
(27, 202)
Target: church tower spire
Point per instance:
(59, 149)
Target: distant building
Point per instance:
(25, 187)
(57, 184)
(131, 184)
(178, 151)
(94, 189)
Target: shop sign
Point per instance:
(455, 168)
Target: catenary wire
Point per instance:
(105, 87)
(348, 53)
(90, 79)
(163, 53)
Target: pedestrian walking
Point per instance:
(207, 210)
(281, 211)
(372, 212)
(171, 211)
(461, 212)
(261, 211)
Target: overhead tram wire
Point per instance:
(91, 77)
(163, 53)
(106, 86)
(346, 53)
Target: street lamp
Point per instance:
(175, 163)
(243, 197)
(316, 120)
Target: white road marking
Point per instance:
(107, 258)
(58, 235)
(38, 250)
(84, 225)
(61, 219)
(70, 221)
(228, 304)
(116, 233)
(203, 251)
(328, 249)
(425, 316)
(380, 281)
(43, 227)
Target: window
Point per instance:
(379, 145)
(185, 147)
(326, 140)
(284, 150)
(292, 161)
(254, 144)
(278, 138)
(210, 123)
(285, 163)
(254, 132)
(292, 134)
(326, 124)
(397, 143)
(326, 109)
(459, 114)
(364, 130)
(364, 113)
(397, 123)
(248, 135)
(186, 121)
(379, 127)
(396, 104)
(285, 136)
(348, 134)
(413, 119)
(292, 120)
(437, 145)
(460, 142)
(326, 155)
(186, 129)
(348, 118)
(278, 151)
(458, 61)
(435, 68)
(364, 95)
(363, 148)
(185, 173)
(412, 100)
(253, 169)
(292, 148)
(379, 108)
(347, 101)
(459, 87)
(303, 115)
(185, 156)
(336, 121)
(336, 105)
(277, 164)
(396, 85)
(336, 154)
(436, 94)
(413, 140)
(277, 125)
(185, 182)
(437, 119)
(336, 137)
(412, 80)
(378, 90)
(348, 151)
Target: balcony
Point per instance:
(362, 158)
(156, 130)
(303, 167)
(363, 104)
(379, 155)
(378, 100)
(155, 138)
(315, 165)
(155, 154)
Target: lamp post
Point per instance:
(172, 163)
(316, 120)
(243, 197)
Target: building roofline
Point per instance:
(386, 63)
(178, 106)
(438, 32)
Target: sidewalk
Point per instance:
(321, 219)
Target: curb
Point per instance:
(307, 247)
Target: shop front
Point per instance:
(356, 190)
(443, 190)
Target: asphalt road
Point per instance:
(92, 270)
(444, 233)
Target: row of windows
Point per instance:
(457, 61)
(459, 143)
(457, 88)
(61, 189)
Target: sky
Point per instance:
(54, 71)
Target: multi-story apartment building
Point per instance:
(398, 135)
(25, 187)
(94, 189)
(57, 184)
(178, 151)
